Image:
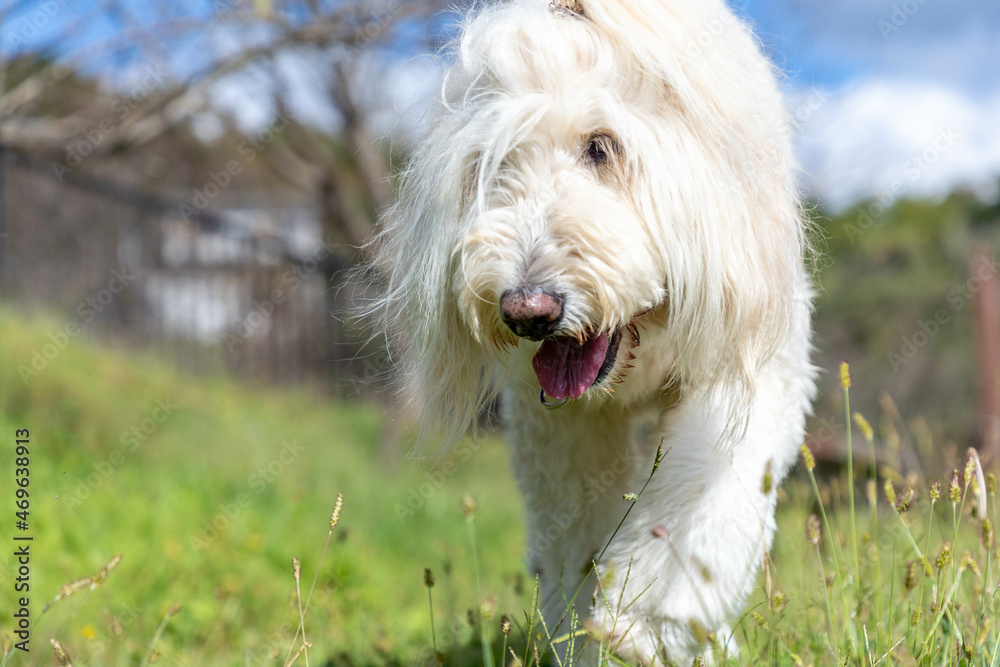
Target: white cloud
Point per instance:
(907, 138)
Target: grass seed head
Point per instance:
(61, 655)
(915, 616)
(698, 662)
(888, 406)
(984, 633)
(335, 515)
(505, 625)
(845, 375)
(778, 602)
(296, 568)
(630, 497)
(906, 500)
(991, 482)
(935, 492)
(944, 556)
(106, 571)
(174, 609)
(807, 458)
(659, 456)
(428, 578)
(864, 426)
(767, 484)
(912, 576)
(967, 562)
(813, 529)
(74, 587)
(986, 533)
(469, 506)
(489, 607)
(954, 488)
(890, 492)
(969, 472)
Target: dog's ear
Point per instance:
(442, 374)
(571, 6)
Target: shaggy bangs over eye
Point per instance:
(604, 154)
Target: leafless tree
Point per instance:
(165, 60)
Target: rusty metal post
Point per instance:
(983, 285)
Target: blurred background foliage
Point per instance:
(227, 160)
(879, 278)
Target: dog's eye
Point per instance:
(601, 149)
(596, 152)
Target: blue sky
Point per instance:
(835, 42)
(910, 92)
(876, 84)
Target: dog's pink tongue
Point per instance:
(566, 369)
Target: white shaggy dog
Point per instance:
(604, 215)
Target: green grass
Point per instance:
(156, 507)
(154, 502)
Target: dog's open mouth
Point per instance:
(567, 368)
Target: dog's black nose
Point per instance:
(531, 314)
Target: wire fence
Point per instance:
(257, 292)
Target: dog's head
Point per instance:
(594, 168)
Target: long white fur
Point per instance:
(694, 233)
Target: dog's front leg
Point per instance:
(573, 466)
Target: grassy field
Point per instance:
(208, 506)
(208, 489)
